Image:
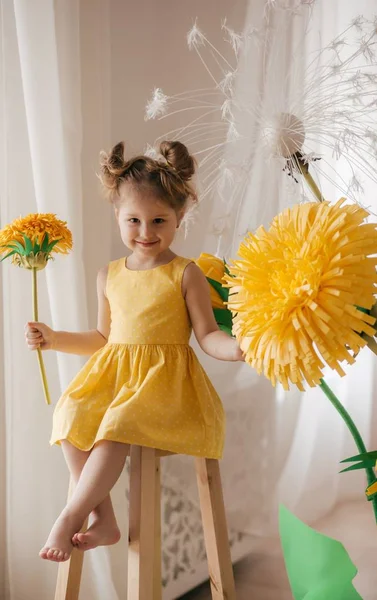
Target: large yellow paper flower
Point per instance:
(214, 268)
(296, 288)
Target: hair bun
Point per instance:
(178, 156)
(112, 166)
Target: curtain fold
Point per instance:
(41, 129)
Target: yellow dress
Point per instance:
(145, 386)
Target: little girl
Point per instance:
(143, 384)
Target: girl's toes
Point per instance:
(43, 553)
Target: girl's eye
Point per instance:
(134, 220)
(159, 221)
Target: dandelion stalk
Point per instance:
(371, 478)
(39, 351)
(303, 168)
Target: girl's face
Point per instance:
(147, 224)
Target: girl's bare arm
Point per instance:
(211, 339)
(39, 335)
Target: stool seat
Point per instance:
(144, 550)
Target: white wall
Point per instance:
(149, 49)
(127, 49)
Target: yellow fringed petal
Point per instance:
(35, 226)
(295, 289)
(212, 267)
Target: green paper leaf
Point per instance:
(8, 255)
(28, 244)
(223, 316)
(36, 248)
(227, 270)
(9, 246)
(226, 329)
(318, 567)
(360, 457)
(51, 246)
(223, 292)
(361, 465)
(45, 242)
(14, 245)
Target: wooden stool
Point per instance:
(144, 552)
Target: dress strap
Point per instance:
(178, 267)
(114, 268)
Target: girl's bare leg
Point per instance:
(98, 476)
(103, 530)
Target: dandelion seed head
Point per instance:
(358, 22)
(195, 37)
(226, 84)
(366, 48)
(226, 109)
(283, 134)
(233, 133)
(309, 158)
(155, 154)
(227, 177)
(157, 106)
(355, 184)
(235, 39)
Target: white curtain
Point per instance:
(41, 131)
(61, 64)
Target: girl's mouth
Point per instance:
(146, 244)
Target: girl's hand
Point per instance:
(39, 335)
(238, 354)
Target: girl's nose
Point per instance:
(146, 231)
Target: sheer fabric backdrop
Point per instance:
(74, 78)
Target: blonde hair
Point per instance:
(168, 177)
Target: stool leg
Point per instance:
(215, 529)
(144, 550)
(69, 572)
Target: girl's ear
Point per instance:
(180, 216)
(116, 212)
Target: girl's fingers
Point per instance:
(33, 346)
(32, 335)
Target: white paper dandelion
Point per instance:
(326, 124)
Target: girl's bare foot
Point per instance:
(59, 546)
(102, 532)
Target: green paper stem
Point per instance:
(39, 351)
(371, 478)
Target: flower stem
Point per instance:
(371, 478)
(313, 186)
(39, 351)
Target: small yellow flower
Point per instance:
(296, 291)
(30, 240)
(214, 268)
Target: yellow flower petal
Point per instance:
(212, 267)
(296, 287)
(35, 226)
